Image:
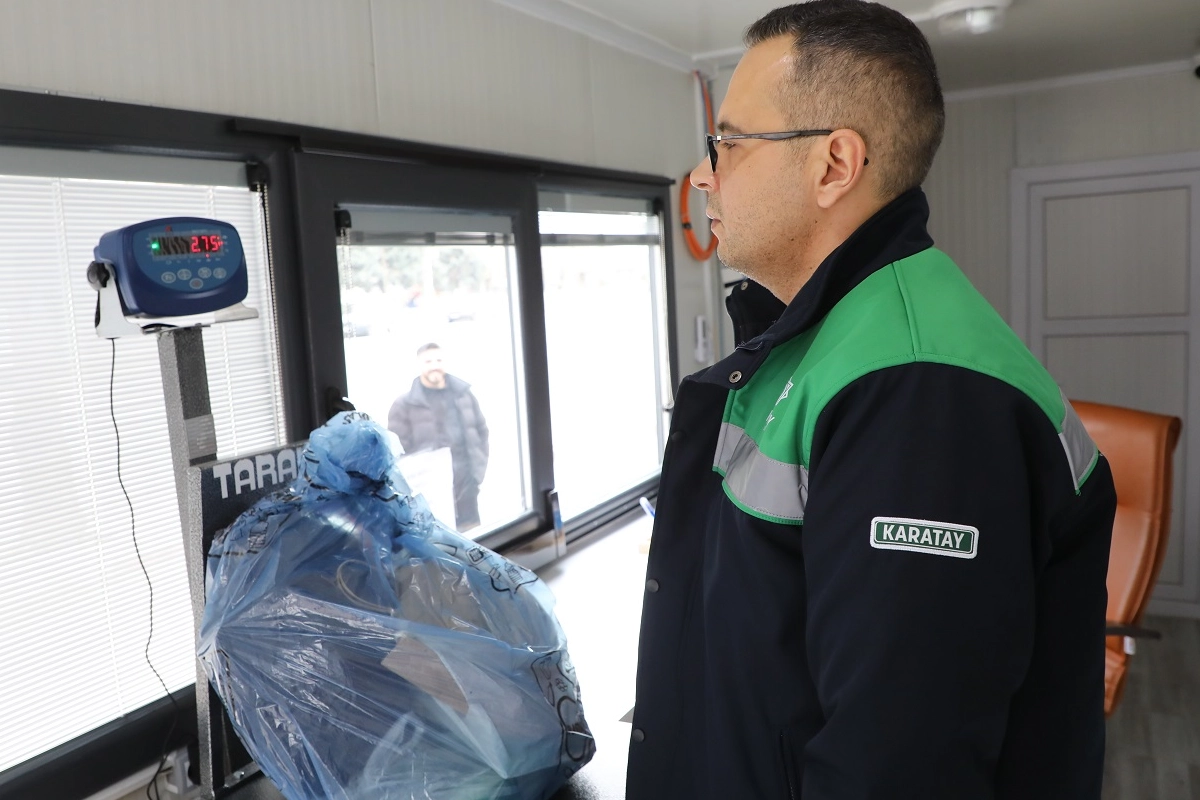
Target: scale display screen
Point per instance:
(163, 246)
(176, 266)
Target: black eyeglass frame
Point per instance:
(710, 140)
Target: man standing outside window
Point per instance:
(441, 411)
(878, 562)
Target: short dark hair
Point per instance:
(428, 346)
(867, 67)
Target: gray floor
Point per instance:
(1154, 735)
(599, 591)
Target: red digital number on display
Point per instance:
(207, 244)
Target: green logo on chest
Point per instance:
(924, 536)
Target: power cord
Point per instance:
(112, 412)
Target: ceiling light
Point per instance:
(969, 16)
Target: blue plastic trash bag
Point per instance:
(364, 651)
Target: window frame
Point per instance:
(596, 519)
(106, 755)
(325, 179)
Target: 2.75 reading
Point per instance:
(163, 246)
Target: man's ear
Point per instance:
(844, 157)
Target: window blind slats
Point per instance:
(74, 606)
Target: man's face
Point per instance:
(757, 197)
(433, 374)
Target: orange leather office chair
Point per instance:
(1139, 447)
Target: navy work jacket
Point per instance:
(800, 662)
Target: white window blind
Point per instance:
(74, 606)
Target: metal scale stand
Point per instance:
(211, 493)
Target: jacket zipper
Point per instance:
(785, 752)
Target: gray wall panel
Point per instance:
(968, 193)
(1113, 255)
(1151, 115)
(305, 61)
(475, 74)
(985, 138)
(1152, 377)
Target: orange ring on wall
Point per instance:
(689, 233)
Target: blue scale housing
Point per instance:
(176, 266)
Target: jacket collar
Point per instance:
(761, 321)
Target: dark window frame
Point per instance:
(114, 751)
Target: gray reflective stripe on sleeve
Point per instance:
(1081, 450)
(757, 481)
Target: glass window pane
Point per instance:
(606, 346)
(412, 278)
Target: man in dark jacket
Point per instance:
(440, 411)
(878, 563)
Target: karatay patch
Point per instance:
(924, 536)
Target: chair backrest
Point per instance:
(1140, 447)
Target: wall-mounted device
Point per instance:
(172, 267)
(703, 353)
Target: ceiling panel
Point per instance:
(698, 26)
(1052, 38)
(1040, 38)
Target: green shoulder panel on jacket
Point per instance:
(919, 309)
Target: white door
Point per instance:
(1106, 293)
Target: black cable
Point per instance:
(266, 218)
(112, 412)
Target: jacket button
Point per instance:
(735, 376)
(675, 436)
(652, 586)
(638, 735)
(745, 285)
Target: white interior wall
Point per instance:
(987, 137)
(467, 73)
(968, 193)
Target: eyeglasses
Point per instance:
(711, 140)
